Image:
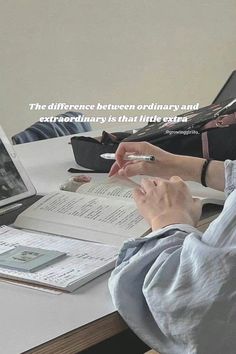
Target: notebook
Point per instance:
(84, 261)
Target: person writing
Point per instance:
(176, 287)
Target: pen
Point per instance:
(223, 109)
(129, 157)
(9, 208)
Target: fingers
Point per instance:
(179, 181)
(138, 194)
(114, 169)
(133, 168)
(175, 179)
(155, 181)
(136, 148)
(147, 185)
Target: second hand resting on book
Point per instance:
(166, 201)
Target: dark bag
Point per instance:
(87, 150)
(209, 132)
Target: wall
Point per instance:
(89, 51)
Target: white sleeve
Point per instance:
(177, 288)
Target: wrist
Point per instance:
(190, 167)
(215, 175)
(169, 218)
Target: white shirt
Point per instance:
(176, 288)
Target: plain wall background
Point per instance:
(89, 51)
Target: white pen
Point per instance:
(129, 157)
(223, 109)
(9, 208)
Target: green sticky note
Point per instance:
(29, 259)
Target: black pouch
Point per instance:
(87, 150)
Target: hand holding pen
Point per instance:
(133, 158)
(165, 164)
(129, 157)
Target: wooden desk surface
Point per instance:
(83, 337)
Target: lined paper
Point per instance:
(84, 261)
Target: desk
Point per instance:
(30, 318)
(47, 162)
(62, 324)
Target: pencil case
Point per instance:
(87, 150)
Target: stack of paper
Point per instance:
(84, 260)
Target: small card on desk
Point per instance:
(29, 259)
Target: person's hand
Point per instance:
(165, 165)
(163, 202)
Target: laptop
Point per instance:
(16, 190)
(228, 90)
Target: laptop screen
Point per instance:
(11, 183)
(15, 184)
(228, 90)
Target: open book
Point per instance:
(205, 194)
(99, 211)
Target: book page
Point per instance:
(84, 259)
(114, 187)
(205, 194)
(80, 211)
